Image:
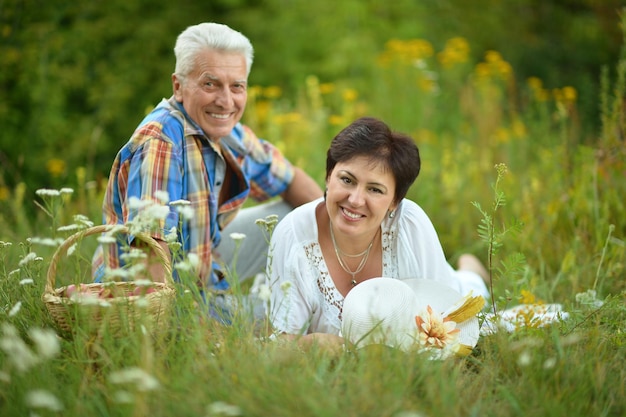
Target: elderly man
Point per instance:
(193, 147)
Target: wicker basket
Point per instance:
(115, 315)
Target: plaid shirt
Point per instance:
(169, 152)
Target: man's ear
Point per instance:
(177, 87)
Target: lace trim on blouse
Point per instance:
(331, 299)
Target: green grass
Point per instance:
(565, 191)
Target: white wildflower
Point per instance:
(46, 192)
(178, 203)
(15, 271)
(27, 281)
(157, 212)
(30, 257)
(589, 298)
(134, 270)
(549, 363)
(186, 212)
(237, 236)
(16, 308)
(220, 408)
(17, 351)
(190, 264)
(175, 246)
(135, 203)
(524, 358)
(115, 229)
(137, 376)
(82, 220)
(162, 196)
(285, 286)
(194, 260)
(71, 249)
(264, 292)
(172, 235)
(46, 241)
(66, 190)
(4, 244)
(68, 228)
(46, 342)
(106, 239)
(123, 397)
(116, 274)
(40, 398)
(133, 255)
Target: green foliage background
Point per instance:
(76, 77)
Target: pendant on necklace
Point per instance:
(353, 282)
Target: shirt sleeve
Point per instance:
(267, 168)
(154, 168)
(290, 308)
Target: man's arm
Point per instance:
(302, 189)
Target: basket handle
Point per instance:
(144, 237)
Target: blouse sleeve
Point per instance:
(420, 254)
(290, 301)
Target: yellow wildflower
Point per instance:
(534, 83)
(272, 92)
(569, 94)
(327, 88)
(335, 120)
(349, 94)
(55, 167)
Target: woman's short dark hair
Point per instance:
(372, 138)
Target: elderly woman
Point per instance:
(362, 228)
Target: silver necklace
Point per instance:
(338, 252)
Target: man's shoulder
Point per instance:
(162, 123)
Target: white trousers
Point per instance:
(251, 255)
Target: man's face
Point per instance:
(214, 94)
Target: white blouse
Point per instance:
(304, 298)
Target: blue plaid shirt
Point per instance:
(169, 152)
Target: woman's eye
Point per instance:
(346, 180)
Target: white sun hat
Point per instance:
(411, 314)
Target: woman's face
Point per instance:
(360, 194)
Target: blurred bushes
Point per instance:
(76, 78)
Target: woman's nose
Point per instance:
(356, 197)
